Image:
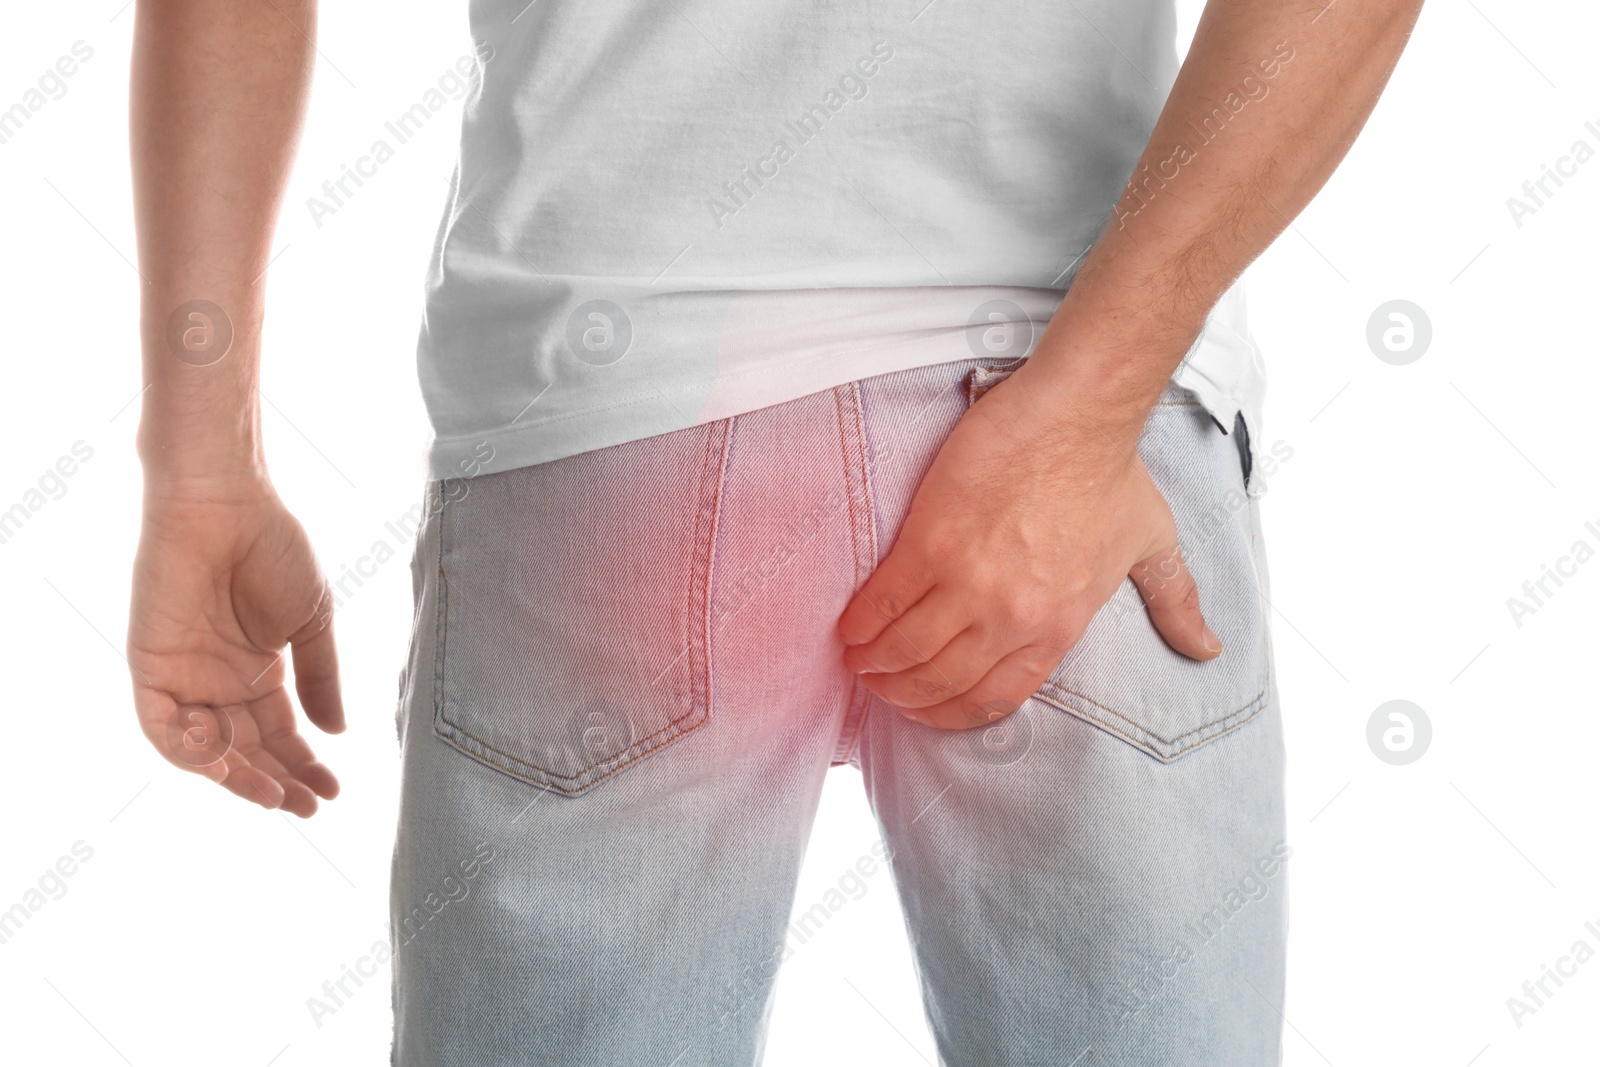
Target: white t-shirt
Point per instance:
(670, 213)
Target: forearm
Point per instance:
(217, 98)
(1214, 187)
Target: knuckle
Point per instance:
(899, 657)
(942, 542)
(888, 605)
(987, 712)
(1190, 598)
(1042, 659)
(1022, 611)
(931, 688)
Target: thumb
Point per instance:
(316, 668)
(1170, 595)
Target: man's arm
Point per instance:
(224, 576)
(976, 604)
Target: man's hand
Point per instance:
(223, 580)
(1037, 505)
(1023, 527)
(224, 576)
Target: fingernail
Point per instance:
(1213, 643)
(855, 664)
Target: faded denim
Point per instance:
(625, 689)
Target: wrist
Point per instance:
(1110, 350)
(200, 417)
(1104, 391)
(167, 475)
(189, 457)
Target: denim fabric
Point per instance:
(624, 692)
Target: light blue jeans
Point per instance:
(625, 689)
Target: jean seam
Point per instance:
(439, 616)
(863, 539)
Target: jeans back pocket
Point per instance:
(573, 612)
(1121, 676)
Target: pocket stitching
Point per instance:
(699, 710)
(1164, 749)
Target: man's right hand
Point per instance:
(224, 579)
(225, 576)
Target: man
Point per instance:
(740, 472)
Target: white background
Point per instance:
(1418, 499)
